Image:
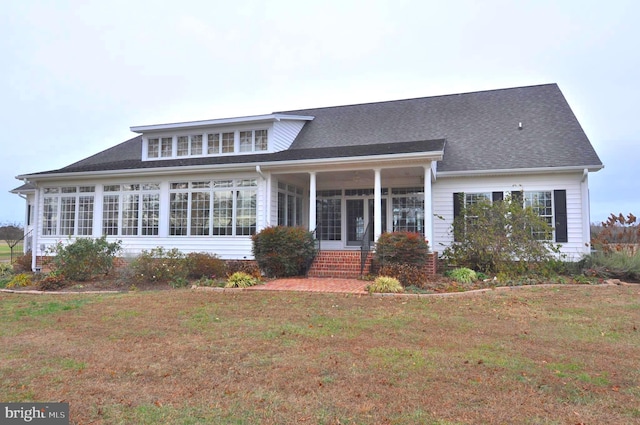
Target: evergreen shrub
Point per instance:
(282, 251)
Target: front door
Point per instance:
(360, 212)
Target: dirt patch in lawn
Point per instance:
(564, 355)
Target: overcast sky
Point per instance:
(76, 74)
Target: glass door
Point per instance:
(355, 221)
(359, 215)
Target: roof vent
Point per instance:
(519, 126)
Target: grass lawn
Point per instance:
(5, 251)
(567, 355)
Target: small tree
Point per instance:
(500, 237)
(12, 234)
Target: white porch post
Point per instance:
(428, 206)
(377, 202)
(312, 201)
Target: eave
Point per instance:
(351, 163)
(219, 122)
(519, 171)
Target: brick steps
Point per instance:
(346, 264)
(342, 264)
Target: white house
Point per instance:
(397, 165)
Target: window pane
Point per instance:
(213, 146)
(222, 212)
(261, 140)
(183, 145)
(542, 204)
(67, 215)
(329, 224)
(245, 141)
(178, 210)
(110, 215)
(85, 215)
(196, 144)
(166, 147)
(50, 216)
(153, 149)
(246, 212)
(150, 213)
(228, 141)
(130, 214)
(408, 214)
(476, 198)
(200, 213)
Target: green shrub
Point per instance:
(202, 264)
(401, 248)
(500, 237)
(20, 280)
(614, 264)
(282, 251)
(462, 275)
(385, 284)
(407, 274)
(84, 258)
(240, 280)
(52, 281)
(160, 265)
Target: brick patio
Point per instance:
(344, 286)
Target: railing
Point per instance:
(365, 247)
(316, 242)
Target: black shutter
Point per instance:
(560, 215)
(497, 196)
(458, 204)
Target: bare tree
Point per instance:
(11, 234)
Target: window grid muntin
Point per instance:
(61, 210)
(110, 214)
(289, 205)
(408, 211)
(228, 142)
(131, 209)
(542, 204)
(255, 140)
(67, 215)
(218, 207)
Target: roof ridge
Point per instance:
(416, 98)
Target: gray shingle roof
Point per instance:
(481, 130)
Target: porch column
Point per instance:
(377, 202)
(428, 207)
(312, 201)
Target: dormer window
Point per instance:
(218, 143)
(160, 147)
(253, 141)
(190, 145)
(226, 136)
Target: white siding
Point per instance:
(283, 134)
(444, 188)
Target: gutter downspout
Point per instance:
(586, 211)
(34, 241)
